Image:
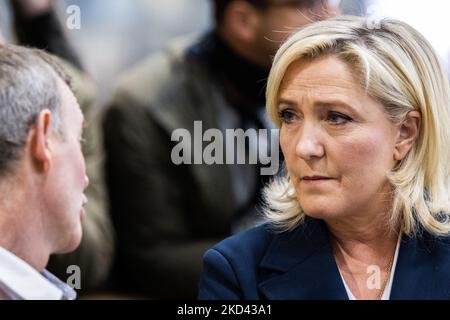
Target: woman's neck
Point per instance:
(362, 229)
(359, 245)
(363, 238)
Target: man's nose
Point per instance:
(309, 144)
(86, 181)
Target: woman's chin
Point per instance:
(320, 212)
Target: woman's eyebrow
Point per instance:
(318, 104)
(286, 102)
(334, 103)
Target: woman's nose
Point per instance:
(309, 144)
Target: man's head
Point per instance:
(256, 28)
(40, 152)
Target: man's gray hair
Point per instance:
(28, 85)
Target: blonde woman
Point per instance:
(364, 120)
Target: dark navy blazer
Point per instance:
(261, 264)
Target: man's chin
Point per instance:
(72, 244)
(82, 214)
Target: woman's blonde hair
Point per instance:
(398, 68)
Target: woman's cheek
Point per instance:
(363, 155)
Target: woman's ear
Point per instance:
(408, 133)
(40, 141)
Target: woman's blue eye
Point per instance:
(337, 118)
(286, 116)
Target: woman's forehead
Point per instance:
(327, 75)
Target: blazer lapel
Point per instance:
(417, 274)
(302, 266)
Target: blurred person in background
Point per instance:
(37, 24)
(166, 216)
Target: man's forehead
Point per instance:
(77, 108)
(69, 99)
(83, 119)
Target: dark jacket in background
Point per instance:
(166, 216)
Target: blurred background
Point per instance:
(116, 34)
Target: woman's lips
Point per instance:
(315, 178)
(314, 181)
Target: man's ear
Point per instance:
(40, 146)
(408, 134)
(243, 20)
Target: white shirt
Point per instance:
(387, 290)
(20, 281)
